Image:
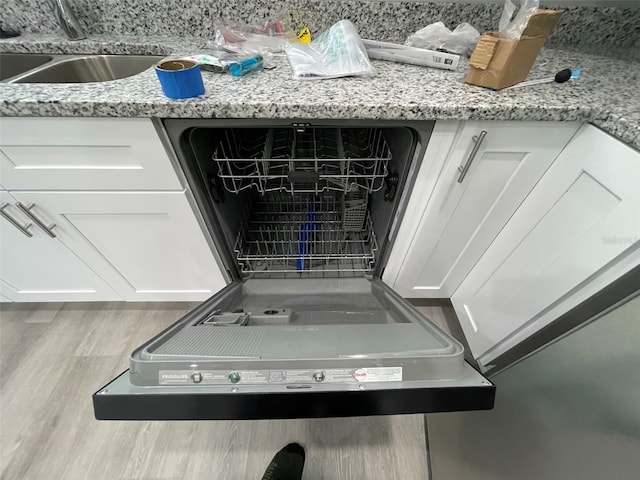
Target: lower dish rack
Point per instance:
(284, 236)
(315, 160)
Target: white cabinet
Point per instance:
(40, 268)
(83, 153)
(451, 226)
(582, 219)
(125, 229)
(146, 245)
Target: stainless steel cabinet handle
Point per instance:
(463, 169)
(27, 211)
(14, 222)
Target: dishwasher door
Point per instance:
(284, 348)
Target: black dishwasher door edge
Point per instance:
(167, 405)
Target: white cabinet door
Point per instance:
(463, 216)
(580, 220)
(147, 245)
(83, 154)
(41, 268)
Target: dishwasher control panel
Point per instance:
(280, 377)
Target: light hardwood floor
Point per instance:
(54, 356)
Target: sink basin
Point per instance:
(12, 64)
(89, 68)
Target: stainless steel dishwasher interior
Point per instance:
(85, 68)
(12, 64)
(300, 202)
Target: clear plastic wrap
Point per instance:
(336, 52)
(251, 40)
(511, 27)
(437, 36)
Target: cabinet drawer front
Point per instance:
(83, 154)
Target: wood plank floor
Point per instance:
(54, 356)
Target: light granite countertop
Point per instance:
(606, 95)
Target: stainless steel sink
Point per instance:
(12, 64)
(90, 68)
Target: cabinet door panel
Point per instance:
(440, 143)
(147, 249)
(40, 268)
(579, 219)
(469, 210)
(147, 245)
(462, 218)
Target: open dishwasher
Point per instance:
(302, 217)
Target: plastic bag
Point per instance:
(336, 52)
(251, 40)
(512, 29)
(437, 36)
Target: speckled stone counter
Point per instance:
(606, 95)
(391, 20)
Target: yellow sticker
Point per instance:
(304, 36)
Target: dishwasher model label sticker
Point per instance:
(378, 374)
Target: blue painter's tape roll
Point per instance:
(180, 78)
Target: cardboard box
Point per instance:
(499, 63)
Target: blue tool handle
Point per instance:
(245, 66)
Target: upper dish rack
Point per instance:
(311, 161)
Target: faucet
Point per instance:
(67, 19)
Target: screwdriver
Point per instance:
(560, 77)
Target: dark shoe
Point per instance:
(287, 464)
